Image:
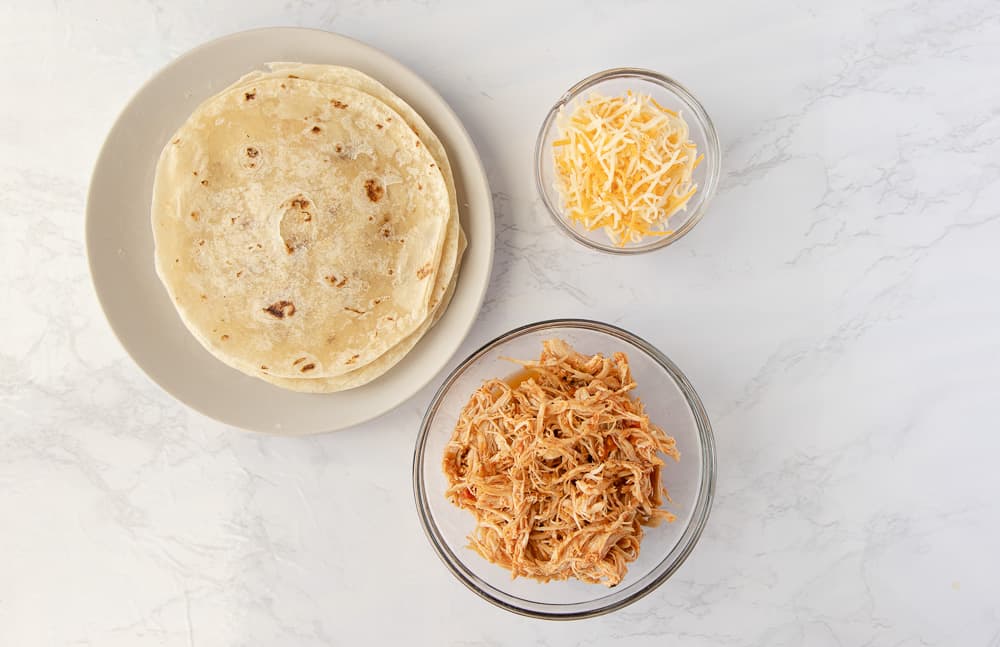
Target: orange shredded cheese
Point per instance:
(624, 164)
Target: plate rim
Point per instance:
(478, 170)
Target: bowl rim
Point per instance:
(652, 580)
(714, 152)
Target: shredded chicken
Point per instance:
(560, 468)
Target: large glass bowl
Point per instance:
(668, 93)
(670, 401)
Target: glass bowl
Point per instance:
(668, 93)
(670, 401)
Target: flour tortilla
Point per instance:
(455, 241)
(349, 77)
(376, 368)
(266, 200)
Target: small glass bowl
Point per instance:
(670, 402)
(668, 93)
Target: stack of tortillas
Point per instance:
(306, 226)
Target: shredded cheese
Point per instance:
(624, 164)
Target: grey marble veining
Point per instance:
(838, 310)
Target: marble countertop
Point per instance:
(838, 310)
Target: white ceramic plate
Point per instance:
(120, 239)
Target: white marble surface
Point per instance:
(838, 310)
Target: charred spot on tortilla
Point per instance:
(280, 309)
(335, 282)
(374, 190)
